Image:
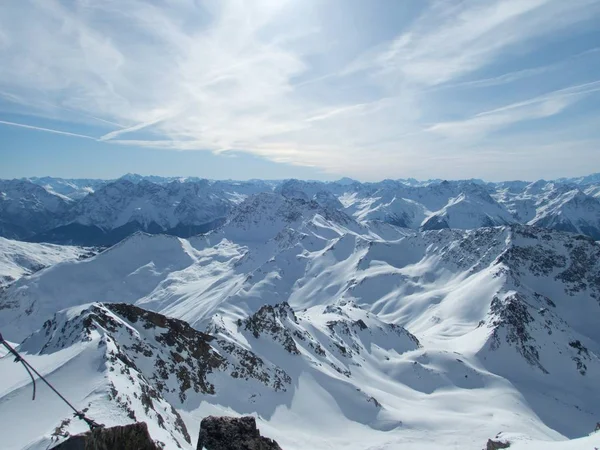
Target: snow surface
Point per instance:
(18, 259)
(67, 211)
(332, 330)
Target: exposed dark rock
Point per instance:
(269, 320)
(435, 223)
(230, 433)
(496, 445)
(513, 316)
(127, 437)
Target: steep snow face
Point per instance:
(99, 212)
(468, 212)
(18, 259)
(571, 211)
(137, 365)
(88, 353)
(125, 272)
(387, 207)
(26, 208)
(506, 321)
(556, 206)
(261, 217)
(150, 204)
(72, 188)
(593, 190)
(461, 205)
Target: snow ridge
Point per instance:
(97, 212)
(314, 318)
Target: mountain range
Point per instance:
(103, 212)
(341, 315)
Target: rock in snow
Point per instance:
(128, 437)
(228, 433)
(330, 329)
(496, 445)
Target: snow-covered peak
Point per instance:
(383, 336)
(99, 212)
(153, 206)
(299, 189)
(572, 211)
(18, 259)
(471, 209)
(345, 181)
(74, 189)
(328, 200)
(582, 181)
(262, 216)
(26, 208)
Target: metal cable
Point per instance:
(18, 358)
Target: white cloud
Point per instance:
(540, 107)
(221, 76)
(455, 38)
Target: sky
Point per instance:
(313, 89)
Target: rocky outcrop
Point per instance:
(496, 445)
(271, 320)
(230, 433)
(128, 437)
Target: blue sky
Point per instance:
(495, 89)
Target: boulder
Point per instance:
(126, 437)
(496, 445)
(231, 433)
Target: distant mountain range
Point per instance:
(103, 212)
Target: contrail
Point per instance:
(49, 130)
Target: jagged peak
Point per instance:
(78, 324)
(268, 208)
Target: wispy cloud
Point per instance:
(223, 76)
(456, 38)
(540, 107)
(516, 75)
(47, 130)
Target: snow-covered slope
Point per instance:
(150, 204)
(136, 365)
(468, 212)
(99, 212)
(125, 273)
(326, 369)
(571, 211)
(88, 353)
(387, 207)
(593, 190)
(120, 208)
(307, 308)
(18, 259)
(71, 188)
(26, 208)
(505, 321)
